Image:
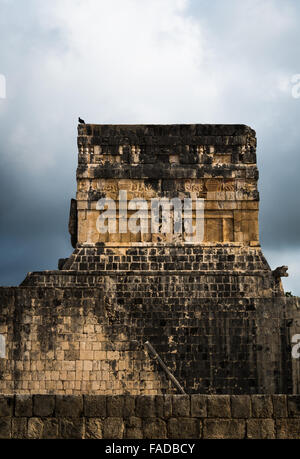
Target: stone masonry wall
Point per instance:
(219, 270)
(160, 417)
(76, 340)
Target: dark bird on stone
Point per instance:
(81, 121)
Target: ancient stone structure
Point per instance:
(214, 311)
(217, 163)
(163, 416)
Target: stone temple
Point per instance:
(214, 311)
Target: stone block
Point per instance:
(262, 406)
(145, 406)
(5, 427)
(240, 406)
(50, 428)
(93, 428)
(163, 406)
(19, 428)
(35, 428)
(6, 405)
(71, 354)
(154, 428)
(114, 405)
(261, 428)
(134, 422)
(167, 406)
(129, 406)
(293, 402)
(43, 405)
(288, 428)
(71, 428)
(70, 406)
(23, 405)
(198, 406)
(279, 406)
(133, 428)
(224, 429)
(183, 428)
(181, 405)
(94, 406)
(218, 406)
(113, 428)
(133, 433)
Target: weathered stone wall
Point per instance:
(214, 311)
(213, 162)
(218, 270)
(76, 340)
(160, 417)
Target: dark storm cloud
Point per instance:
(133, 61)
(33, 230)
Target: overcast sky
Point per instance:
(141, 61)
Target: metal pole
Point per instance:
(164, 367)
